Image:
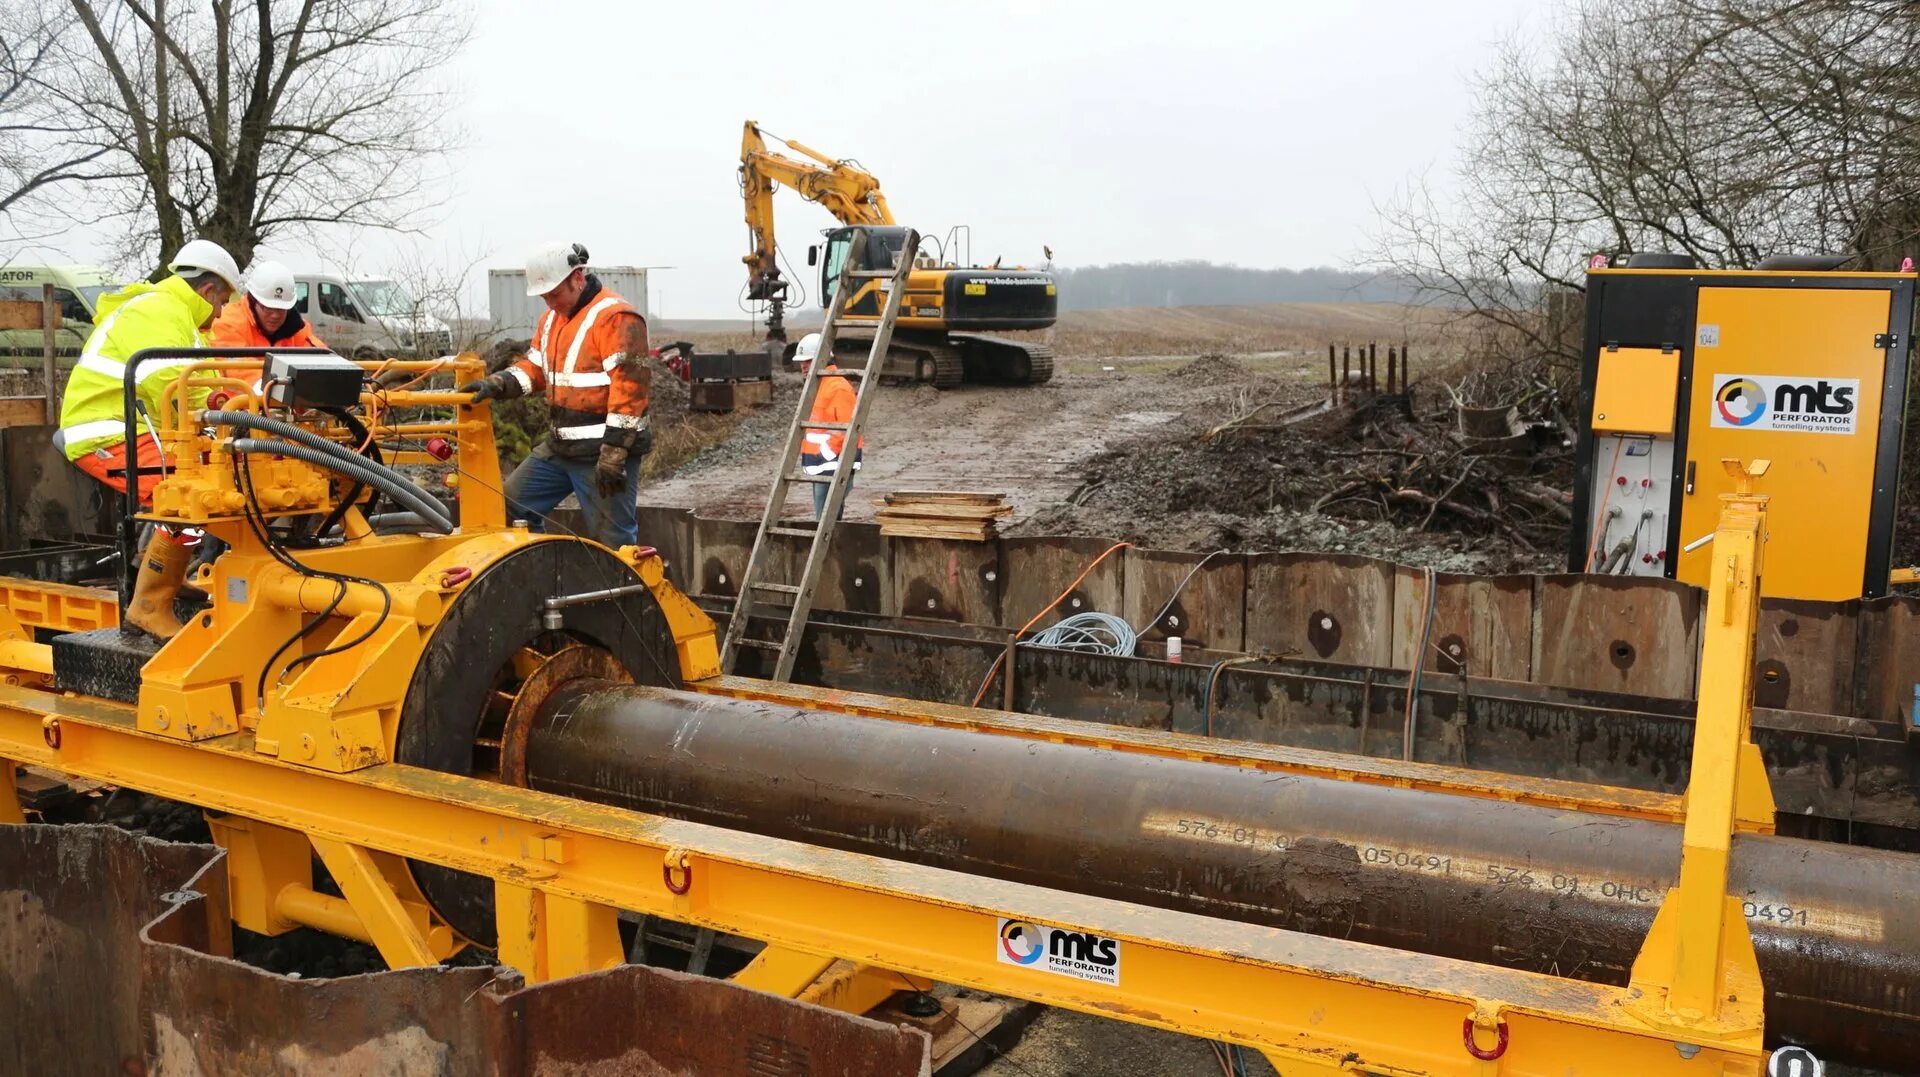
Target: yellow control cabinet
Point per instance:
(1685, 368)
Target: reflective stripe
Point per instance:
(109, 367)
(614, 360)
(526, 383)
(100, 334)
(546, 337)
(579, 381)
(98, 428)
(580, 433)
(537, 358)
(627, 422)
(586, 327)
(817, 437)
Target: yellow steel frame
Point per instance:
(562, 868)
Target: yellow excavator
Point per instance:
(940, 335)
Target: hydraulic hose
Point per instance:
(246, 420)
(352, 464)
(354, 467)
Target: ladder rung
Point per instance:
(801, 476)
(792, 532)
(855, 323)
(778, 588)
(811, 425)
(872, 274)
(763, 644)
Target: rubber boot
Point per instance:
(163, 567)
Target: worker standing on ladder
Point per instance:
(589, 353)
(170, 314)
(822, 451)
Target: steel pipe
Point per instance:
(1482, 880)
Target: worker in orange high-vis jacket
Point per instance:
(589, 353)
(822, 451)
(266, 319)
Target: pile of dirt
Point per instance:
(1212, 369)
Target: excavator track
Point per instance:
(1003, 361)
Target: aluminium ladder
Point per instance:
(755, 587)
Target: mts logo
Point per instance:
(1803, 397)
(1080, 946)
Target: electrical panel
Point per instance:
(312, 381)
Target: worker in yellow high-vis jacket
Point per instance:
(170, 314)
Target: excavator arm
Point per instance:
(847, 191)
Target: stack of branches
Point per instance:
(1420, 468)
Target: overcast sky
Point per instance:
(1259, 133)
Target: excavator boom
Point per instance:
(847, 191)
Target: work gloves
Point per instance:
(484, 389)
(610, 473)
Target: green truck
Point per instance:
(76, 288)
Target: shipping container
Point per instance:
(511, 312)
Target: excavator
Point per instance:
(940, 334)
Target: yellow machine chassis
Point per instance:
(312, 775)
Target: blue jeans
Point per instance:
(543, 480)
(820, 496)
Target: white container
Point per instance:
(512, 313)
(1173, 648)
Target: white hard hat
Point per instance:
(809, 348)
(205, 255)
(271, 285)
(552, 263)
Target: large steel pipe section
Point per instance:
(1489, 881)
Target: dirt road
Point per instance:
(1027, 443)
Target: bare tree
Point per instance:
(29, 128)
(1722, 129)
(239, 120)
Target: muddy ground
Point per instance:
(1118, 448)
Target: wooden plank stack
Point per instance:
(955, 515)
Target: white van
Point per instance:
(77, 289)
(377, 313)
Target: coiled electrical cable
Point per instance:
(1093, 633)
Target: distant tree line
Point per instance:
(1198, 283)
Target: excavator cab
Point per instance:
(882, 248)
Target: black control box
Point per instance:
(312, 381)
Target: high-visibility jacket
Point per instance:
(239, 327)
(141, 315)
(822, 450)
(593, 365)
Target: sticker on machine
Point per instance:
(1791, 405)
(1062, 951)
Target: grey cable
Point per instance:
(1094, 633)
(357, 468)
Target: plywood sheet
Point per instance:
(1887, 659)
(946, 581)
(1803, 655)
(1038, 569)
(670, 530)
(1210, 611)
(721, 548)
(1482, 624)
(1615, 634)
(855, 576)
(1331, 607)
